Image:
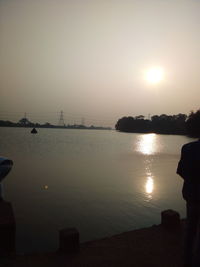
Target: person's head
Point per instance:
(193, 124)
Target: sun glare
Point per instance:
(155, 75)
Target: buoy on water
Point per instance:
(33, 131)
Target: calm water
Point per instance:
(102, 182)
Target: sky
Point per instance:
(89, 58)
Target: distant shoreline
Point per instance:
(50, 126)
(60, 127)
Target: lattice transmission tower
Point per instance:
(83, 121)
(61, 121)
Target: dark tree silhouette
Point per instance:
(163, 124)
(193, 124)
(130, 124)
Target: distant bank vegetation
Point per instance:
(24, 122)
(161, 124)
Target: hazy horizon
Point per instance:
(89, 58)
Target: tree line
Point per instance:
(24, 122)
(161, 124)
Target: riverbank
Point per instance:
(155, 246)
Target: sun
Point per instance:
(154, 75)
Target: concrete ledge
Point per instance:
(147, 247)
(69, 240)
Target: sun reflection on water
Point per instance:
(149, 187)
(147, 144)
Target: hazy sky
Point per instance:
(88, 58)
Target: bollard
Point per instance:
(69, 240)
(170, 219)
(7, 229)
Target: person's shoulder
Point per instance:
(191, 145)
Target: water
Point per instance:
(101, 182)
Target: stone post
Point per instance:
(170, 219)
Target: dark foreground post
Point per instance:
(170, 219)
(7, 230)
(69, 240)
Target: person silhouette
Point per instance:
(189, 169)
(5, 167)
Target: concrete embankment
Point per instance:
(156, 246)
